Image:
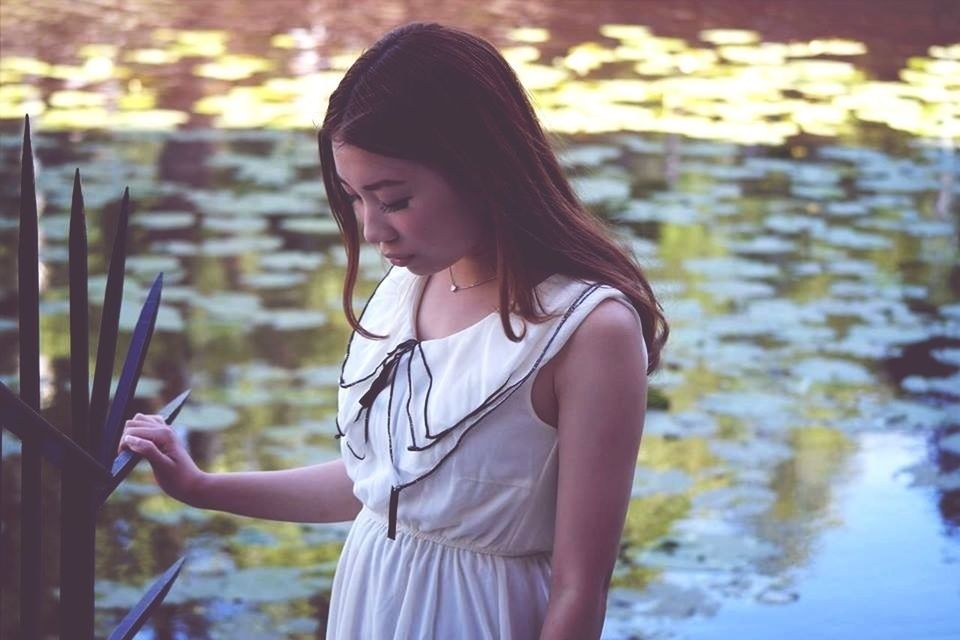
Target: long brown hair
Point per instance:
(448, 100)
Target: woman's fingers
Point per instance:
(147, 449)
(161, 436)
(162, 430)
(151, 437)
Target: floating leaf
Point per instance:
(207, 417)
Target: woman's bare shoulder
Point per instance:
(608, 341)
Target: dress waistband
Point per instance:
(369, 514)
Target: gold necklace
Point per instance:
(454, 287)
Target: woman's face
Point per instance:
(409, 212)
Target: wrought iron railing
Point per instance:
(89, 467)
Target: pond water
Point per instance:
(786, 173)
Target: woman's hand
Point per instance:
(173, 468)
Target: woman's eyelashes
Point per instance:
(386, 207)
(396, 205)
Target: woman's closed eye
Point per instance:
(396, 205)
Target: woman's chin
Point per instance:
(416, 269)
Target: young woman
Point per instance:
(493, 392)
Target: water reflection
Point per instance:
(802, 237)
(726, 84)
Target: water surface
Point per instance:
(789, 183)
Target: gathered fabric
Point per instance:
(456, 472)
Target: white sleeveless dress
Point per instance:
(457, 474)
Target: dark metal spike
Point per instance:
(77, 519)
(79, 318)
(109, 323)
(130, 373)
(28, 302)
(140, 613)
(171, 410)
(28, 268)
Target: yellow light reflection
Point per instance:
(520, 55)
(767, 53)
(344, 60)
(283, 41)
(199, 43)
(586, 57)
(729, 36)
(25, 66)
(230, 67)
(625, 32)
(529, 34)
(152, 56)
(76, 99)
(726, 85)
(948, 53)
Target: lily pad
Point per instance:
(152, 264)
(949, 385)
(163, 220)
(948, 355)
(772, 410)
(220, 247)
(320, 376)
(642, 211)
(165, 510)
(273, 280)
(589, 155)
(235, 225)
(825, 370)
(229, 305)
(114, 595)
(168, 318)
(599, 189)
(288, 260)
(846, 237)
(207, 417)
(325, 226)
(292, 319)
(763, 245)
(740, 289)
(648, 482)
(951, 443)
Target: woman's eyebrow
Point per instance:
(379, 184)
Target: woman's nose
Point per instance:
(376, 230)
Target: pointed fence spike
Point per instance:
(109, 326)
(77, 519)
(154, 596)
(130, 373)
(28, 303)
(28, 267)
(171, 410)
(126, 460)
(79, 319)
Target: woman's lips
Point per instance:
(399, 260)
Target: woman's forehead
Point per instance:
(352, 161)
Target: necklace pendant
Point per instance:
(454, 288)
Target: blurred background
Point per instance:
(786, 172)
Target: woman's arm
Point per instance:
(601, 388)
(318, 493)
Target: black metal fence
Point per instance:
(89, 467)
